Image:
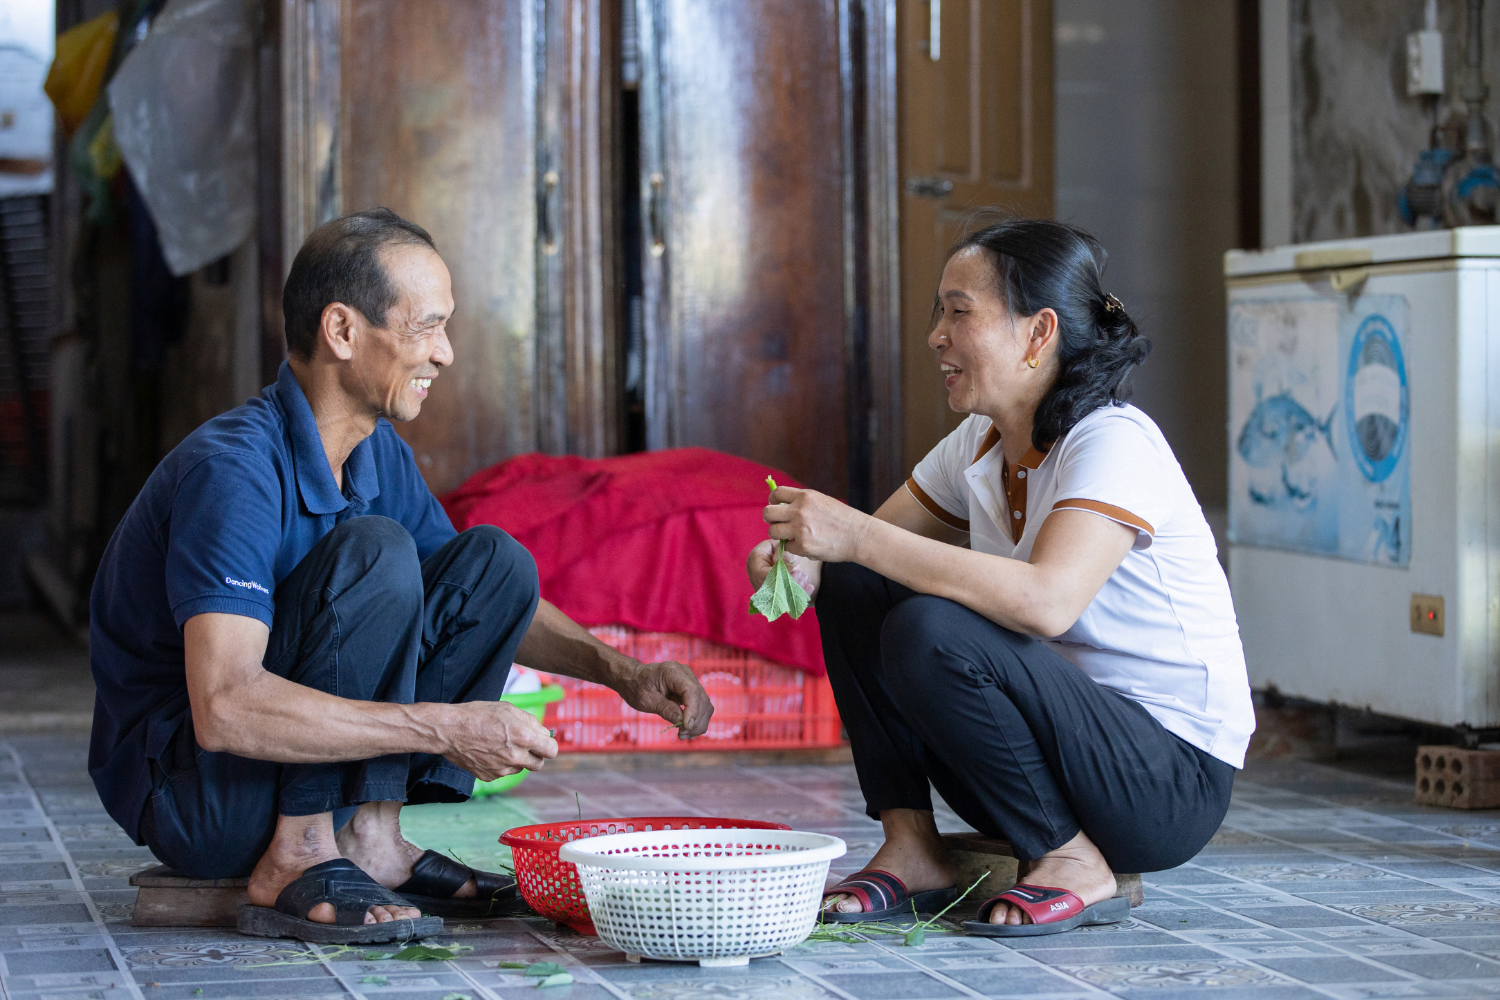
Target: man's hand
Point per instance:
(666, 689)
(490, 739)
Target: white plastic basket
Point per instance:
(715, 897)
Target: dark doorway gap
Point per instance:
(633, 330)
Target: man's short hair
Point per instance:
(340, 262)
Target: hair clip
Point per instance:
(1112, 304)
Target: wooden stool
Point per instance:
(974, 854)
(166, 899)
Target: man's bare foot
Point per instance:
(299, 843)
(372, 840)
(913, 852)
(1076, 866)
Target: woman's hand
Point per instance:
(808, 573)
(815, 525)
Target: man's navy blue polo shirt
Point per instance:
(219, 524)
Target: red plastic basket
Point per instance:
(550, 886)
(758, 705)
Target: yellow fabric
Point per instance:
(77, 73)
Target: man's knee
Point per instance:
(491, 557)
(373, 542)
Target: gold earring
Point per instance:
(1033, 362)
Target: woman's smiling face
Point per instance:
(981, 346)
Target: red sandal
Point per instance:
(1051, 910)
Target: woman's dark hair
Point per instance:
(340, 262)
(1039, 264)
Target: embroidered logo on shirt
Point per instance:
(247, 584)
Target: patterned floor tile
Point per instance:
(1417, 914)
(1216, 974)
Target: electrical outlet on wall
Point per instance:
(1427, 614)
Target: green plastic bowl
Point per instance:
(536, 703)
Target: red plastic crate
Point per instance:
(758, 705)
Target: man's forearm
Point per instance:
(556, 644)
(271, 718)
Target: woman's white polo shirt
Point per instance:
(1162, 629)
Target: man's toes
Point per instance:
(323, 913)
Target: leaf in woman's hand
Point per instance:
(779, 594)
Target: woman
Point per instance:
(1037, 623)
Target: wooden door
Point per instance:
(974, 83)
(480, 121)
(743, 162)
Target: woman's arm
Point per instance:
(1074, 553)
(902, 510)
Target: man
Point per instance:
(289, 639)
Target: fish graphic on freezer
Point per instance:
(1318, 423)
(1277, 436)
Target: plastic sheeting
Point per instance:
(184, 119)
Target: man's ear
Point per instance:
(339, 328)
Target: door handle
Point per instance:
(935, 188)
(656, 212)
(545, 199)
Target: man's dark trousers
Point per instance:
(361, 618)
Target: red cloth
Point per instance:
(656, 541)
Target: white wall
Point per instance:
(1147, 141)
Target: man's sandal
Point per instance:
(1052, 911)
(436, 877)
(352, 892)
(883, 896)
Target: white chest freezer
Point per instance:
(1364, 471)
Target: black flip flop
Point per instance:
(436, 877)
(883, 896)
(352, 893)
(1051, 910)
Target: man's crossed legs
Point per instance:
(360, 618)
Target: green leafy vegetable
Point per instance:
(544, 969)
(556, 979)
(429, 952)
(457, 996)
(376, 980)
(913, 937)
(779, 594)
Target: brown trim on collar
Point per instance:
(990, 440)
(934, 508)
(1031, 460)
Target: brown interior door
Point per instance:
(742, 193)
(974, 92)
(472, 118)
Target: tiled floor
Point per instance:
(1322, 883)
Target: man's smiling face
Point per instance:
(394, 365)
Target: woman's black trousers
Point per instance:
(1016, 739)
